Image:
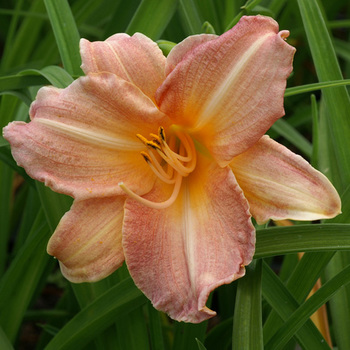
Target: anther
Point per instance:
(155, 137)
(154, 145)
(161, 133)
(141, 138)
(146, 157)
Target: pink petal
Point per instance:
(136, 59)
(82, 139)
(178, 53)
(88, 240)
(230, 90)
(281, 185)
(178, 255)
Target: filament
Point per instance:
(155, 205)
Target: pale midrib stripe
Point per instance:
(220, 92)
(91, 137)
(98, 236)
(188, 238)
(275, 184)
(120, 62)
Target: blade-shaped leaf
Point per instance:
(301, 238)
(304, 311)
(22, 278)
(110, 307)
(191, 18)
(5, 343)
(156, 334)
(66, 34)
(160, 12)
(247, 319)
(284, 304)
(187, 333)
(336, 100)
(295, 90)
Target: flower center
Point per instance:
(170, 161)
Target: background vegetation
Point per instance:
(39, 309)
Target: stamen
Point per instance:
(143, 139)
(170, 169)
(159, 167)
(155, 205)
(156, 168)
(163, 176)
(174, 164)
(146, 157)
(190, 149)
(155, 137)
(161, 133)
(154, 145)
(175, 161)
(168, 151)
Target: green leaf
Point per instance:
(15, 82)
(66, 34)
(327, 161)
(55, 75)
(342, 48)
(8, 108)
(21, 279)
(295, 90)
(285, 301)
(110, 307)
(229, 10)
(155, 328)
(133, 333)
(3, 142)
(122, 13)
(247, 320)
(208, 9)
(276, 6)
(247, 9)
(336, 100)
(250, 4)
(23, 36)
(23, 95)
(336, 131)
(302, 238)
(340, 304)
(6, 157)
(165, 46)
(5, 343)
(284, 129)
(207, 28)
(304, 311)
(200, 345)
(315, 133)
(187, 333)
(338, 23)
(160, 12)
(191, 18)
(220, 337)
(345, 203)
(54, 204)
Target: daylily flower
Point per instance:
(166, 161)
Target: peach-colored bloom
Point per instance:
(166, 161)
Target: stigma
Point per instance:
(170, 160)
